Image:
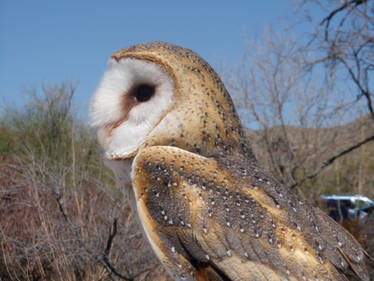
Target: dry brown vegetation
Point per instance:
(52, 232)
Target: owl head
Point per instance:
(161, 94)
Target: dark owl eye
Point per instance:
(144, 92)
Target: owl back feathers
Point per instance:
(210, 216)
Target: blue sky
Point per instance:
(57, 41)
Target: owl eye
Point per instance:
(144, 92)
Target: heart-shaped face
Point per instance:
(161, 94)
(128, 103)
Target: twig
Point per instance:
(363, 91)
(331, 160)
(113, 270)
(105, 258)
(328, 19)
(112, 233)
(341, 8)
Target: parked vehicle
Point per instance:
(346, 207)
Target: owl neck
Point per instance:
(122, 173)
(209, 145)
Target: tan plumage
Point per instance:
(208, 209)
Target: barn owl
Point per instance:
(170, 132)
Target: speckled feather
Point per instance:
(244, 224)
(208, 209)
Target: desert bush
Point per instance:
(50, 232)
(47, 128)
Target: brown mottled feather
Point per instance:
(211, 215)
(208, 273)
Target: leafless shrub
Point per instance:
(52, 232)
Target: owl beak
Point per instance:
(109, 154)
(118, 157)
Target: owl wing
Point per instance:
(204, 223)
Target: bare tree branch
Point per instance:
(327, 19)
(329, 161)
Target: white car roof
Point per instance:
(347, 197)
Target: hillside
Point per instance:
(301, 151)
